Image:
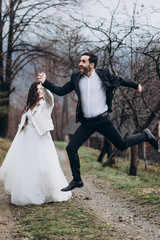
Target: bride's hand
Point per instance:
(41, 77)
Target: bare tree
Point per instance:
(59, 69)
(121, 46)
(22, 23)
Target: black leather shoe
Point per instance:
(73, 184)
(151, 138)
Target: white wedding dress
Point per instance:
(31, 171)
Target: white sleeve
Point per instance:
(48, 98)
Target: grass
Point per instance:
(4, 146)
(66, 220)
(143, 188)
(60, 221)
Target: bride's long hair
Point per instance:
(33, 96)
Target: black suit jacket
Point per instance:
(110, 81)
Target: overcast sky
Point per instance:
(147, 11)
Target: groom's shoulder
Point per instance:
(103, 73)
(102, 70)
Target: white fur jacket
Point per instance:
(41, 114)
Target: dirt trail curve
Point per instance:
(127, 221)
(7, 218)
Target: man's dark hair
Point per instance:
(92, 58)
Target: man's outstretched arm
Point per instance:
(60, 91)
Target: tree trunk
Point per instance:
(144, 155)
(134, 161)
(1, 45)
(5, 84)
(107, 148)
(4, 109)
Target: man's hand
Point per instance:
(139, 89)
(41, 77)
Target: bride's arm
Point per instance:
(48, 98)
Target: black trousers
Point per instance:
(104, 126)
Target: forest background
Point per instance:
(50, 36)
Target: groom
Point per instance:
(95, 89)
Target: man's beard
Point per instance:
(86, 70)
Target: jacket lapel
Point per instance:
(101, 76)
(34, 110)
(78, 77)
(109, 83)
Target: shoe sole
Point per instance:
(80, 185)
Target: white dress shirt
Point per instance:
(93, 97)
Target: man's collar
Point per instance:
(92, 74)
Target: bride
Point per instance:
(31, 171)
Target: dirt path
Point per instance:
(126, 220)
(7, 218)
